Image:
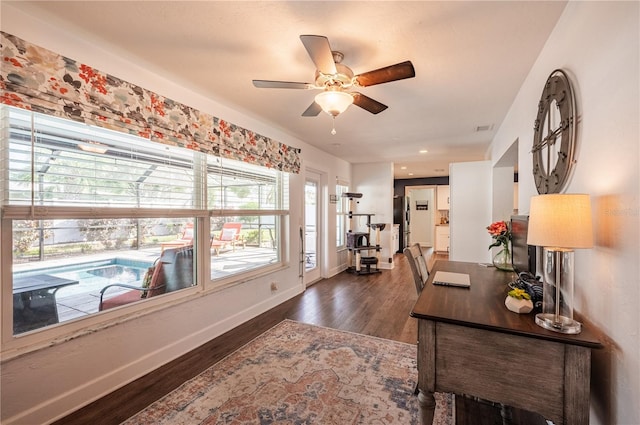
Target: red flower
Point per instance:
(13, 61)
(96, 80)
(158, 105)
(224, 128)
(501, 234)
(11, 99)
(497, 228)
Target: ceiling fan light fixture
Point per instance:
(93, 147)
(334, 102)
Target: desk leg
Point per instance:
(507, 414)
(577, 373)
(426, 369)
(427, 404)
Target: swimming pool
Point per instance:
(81, 299)
(95, 274)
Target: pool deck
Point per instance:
(79, 300)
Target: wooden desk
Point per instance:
(469, 343)
(34, 301)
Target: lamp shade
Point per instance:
(560, 221)
(334, 102)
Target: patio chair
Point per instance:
(230, 234)
(173, 270)
(184, 239)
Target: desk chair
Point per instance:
(418, 265)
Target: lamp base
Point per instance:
(560, 324)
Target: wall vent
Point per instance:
(484, 127)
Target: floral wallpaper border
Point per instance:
(40, 80)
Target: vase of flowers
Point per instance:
(501, 234)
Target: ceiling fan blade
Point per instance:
(312, 111)
(367, 103)
(399, 71)
(266, 84)
(320, 52)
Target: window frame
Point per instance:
(14, 344)
(221, 283)
(341, 215)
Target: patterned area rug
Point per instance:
(297, 373)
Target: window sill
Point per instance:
(58, 334)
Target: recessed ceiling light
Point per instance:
(423, 151)
(411, 174)
(403, 167)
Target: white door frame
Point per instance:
(312, 275)
(432, 227)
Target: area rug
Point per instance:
(297, 373)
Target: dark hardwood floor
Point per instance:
(377, 304)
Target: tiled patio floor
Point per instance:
(82, 299)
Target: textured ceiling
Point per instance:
(470, 60)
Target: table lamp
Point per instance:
(559, 223)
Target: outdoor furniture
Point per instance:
(34, 301)
(172, 271)
(184, 239)
(230, 234)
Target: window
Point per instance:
(90, 208)
(248, 204)
(76, 165)
(341, 214)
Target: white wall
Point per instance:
(503, 192)
(597, 43)
(422, 221)
(470, 185)
(41, 385)
(375, 182)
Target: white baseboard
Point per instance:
(334, 271)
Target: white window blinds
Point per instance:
(55, 162)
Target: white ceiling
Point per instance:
(470, 60)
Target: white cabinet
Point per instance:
(443, 197)
(442, 239)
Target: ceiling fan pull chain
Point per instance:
(333, 130)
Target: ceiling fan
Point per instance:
(337, 80)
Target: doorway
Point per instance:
(312, 227)
(421, 206)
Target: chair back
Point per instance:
(230, 232)
(418, 265)
(187, 233)
(174, 271)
